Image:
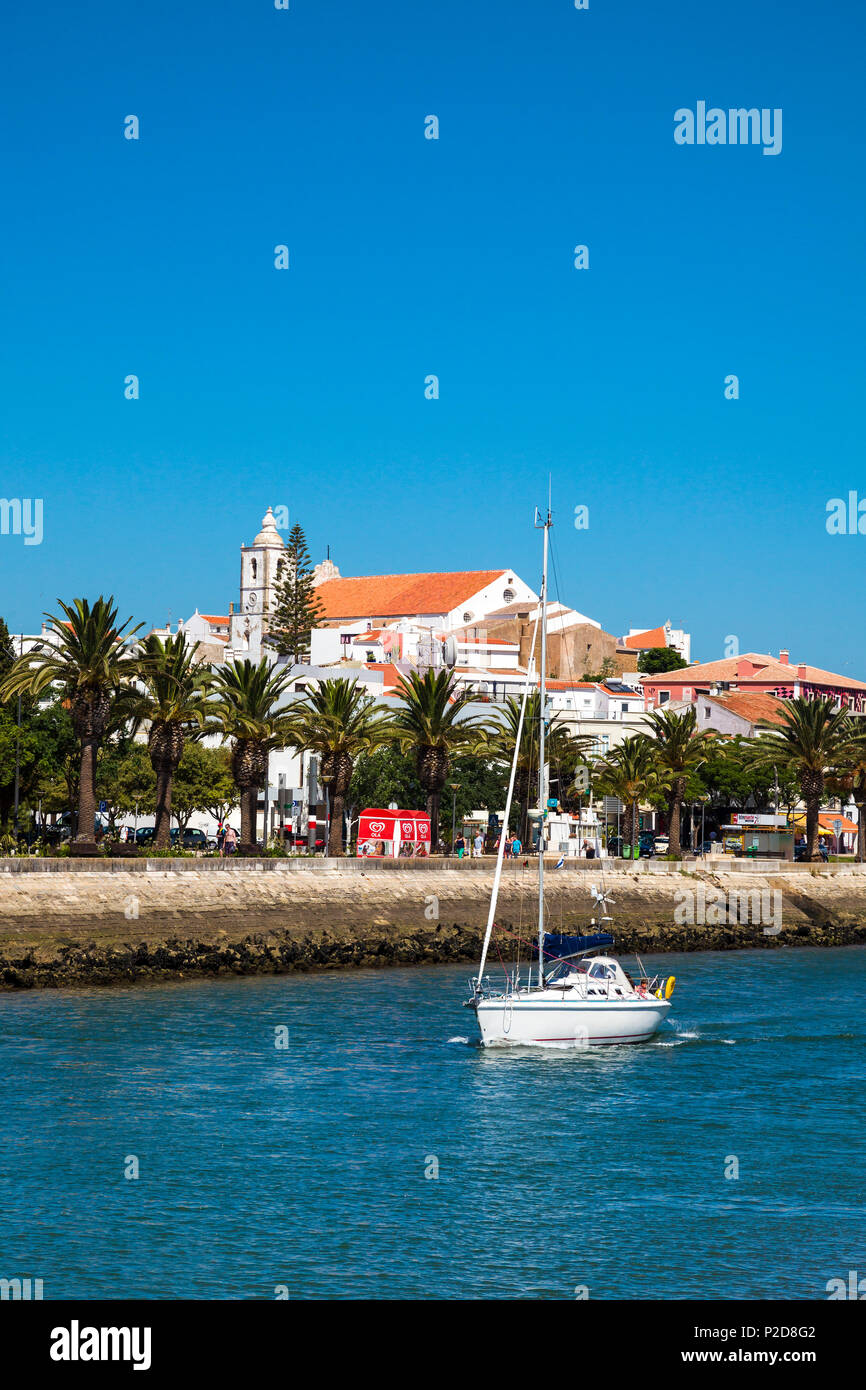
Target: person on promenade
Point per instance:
(516, 847)
(460, 846)
(231, 840)
(479, 845)
(221, 841)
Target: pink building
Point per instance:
(753, 673)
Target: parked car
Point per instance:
(646, 844)
(661, 844)
(801, 851)
(193, 838)
(144, 835)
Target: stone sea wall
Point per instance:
(77, 923)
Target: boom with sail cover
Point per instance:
(559, 947)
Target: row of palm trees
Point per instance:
(109, 679)
(816, 746)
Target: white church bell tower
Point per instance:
(261, 569)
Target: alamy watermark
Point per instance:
(708, 906)
(736, 126)
(22, 516)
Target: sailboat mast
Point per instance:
(542, 702)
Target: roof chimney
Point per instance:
(784, 656)
(801, 673)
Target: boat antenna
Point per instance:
(542, 711)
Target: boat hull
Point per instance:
(581, 1023)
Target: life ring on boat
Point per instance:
(670, 985)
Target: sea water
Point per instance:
(343, 1135)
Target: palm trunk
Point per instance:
(249, 805)
(632, 818)
(335, 829)
(433, 800)
(674, 815)
(87, 792)
(812, 807)
(162, 826)
(861, 830)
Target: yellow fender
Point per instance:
(670, 986)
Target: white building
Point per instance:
(645, 639)
(262, 567)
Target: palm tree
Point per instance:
(172, 699)
(678, 750)
(562, 750)
(849, 779)
(810, 742)
(629, 773)
(85, 656)
(246, 705)
(429, 723)
(339, 722)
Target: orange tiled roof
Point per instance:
(400, 595)
(643, 641)
(570, 685)
(215, 618)
(751, 667)
(753, 705)
(389, 670)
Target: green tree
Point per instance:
(657, 660)
(171, 698)
(810, 743)
(677, 750)
(125, 779)
(56, 776)
(629, 772)
(222, 794)
(563, 752)
(202, 782)
(604, 673)
(297, 608)
(85, 659)
(385, 775)
(340, 723)
(848, 778)
(247, 706)
(432, 724)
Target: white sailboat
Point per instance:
(578, 997)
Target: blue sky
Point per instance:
(454, 257)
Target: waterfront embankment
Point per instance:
(121, 921)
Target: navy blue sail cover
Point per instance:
(557, 947)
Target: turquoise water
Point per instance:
(304, 1167)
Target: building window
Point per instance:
(253, 568)
(664, 696)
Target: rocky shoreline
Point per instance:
(153, 921)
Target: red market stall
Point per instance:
(393, 835)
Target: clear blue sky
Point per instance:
(411, 257)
